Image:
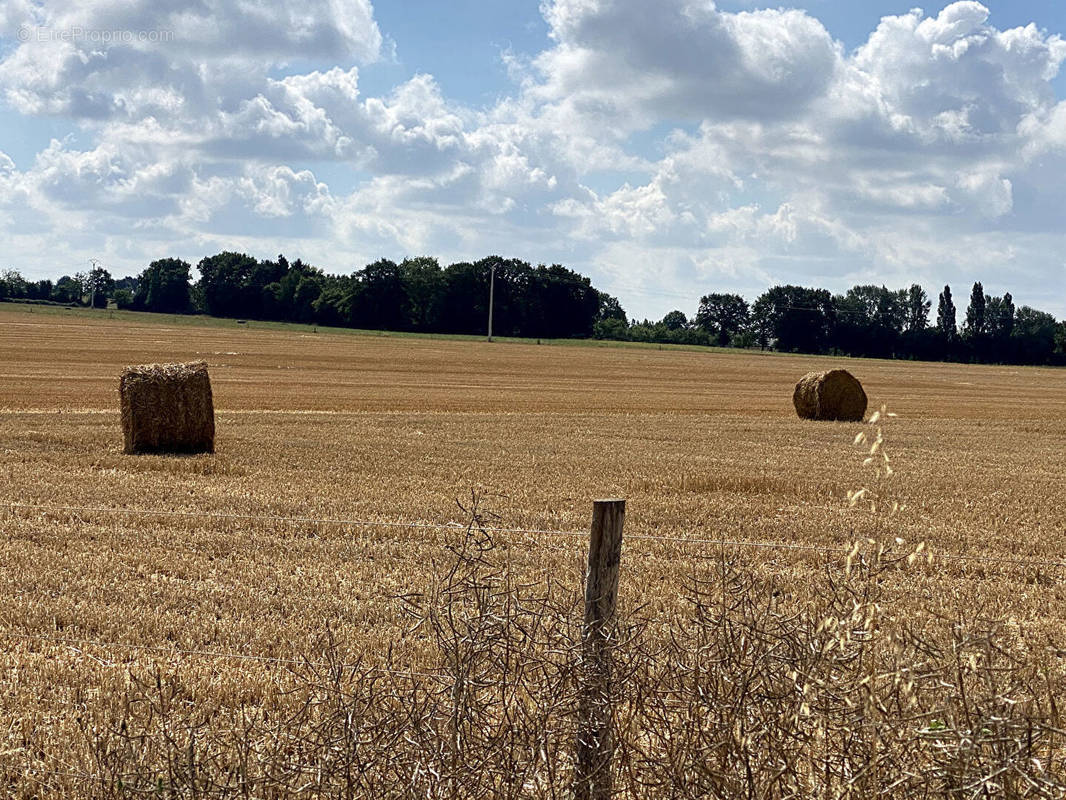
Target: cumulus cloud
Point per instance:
(777, 155)
(116, 59)
(924, 136)
(683, 59)
(956, 77)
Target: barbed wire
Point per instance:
(462, 526)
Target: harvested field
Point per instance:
(336, 426)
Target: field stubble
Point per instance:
(703, 445)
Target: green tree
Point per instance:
(794, 318)
(272, 301)
(333, 306)
(559, 303)
(225, 281)
(465, 301)
(67, 290)
(1033, 336)
(303, 300)
(675, 321)
(999, 316)
(918, 306)
(723, 316)
(999, 323)
(610, 308)
(379, 301)
(870, 321)
(945, 315)
(611, 328)
(164, 287)
(96, 285)
(40, 290)
(464, 304)
(975, 326)
(423, 283)
(12, 284)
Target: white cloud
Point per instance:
(134, 59)
(954, 76)
(934, 149)
(682, 59)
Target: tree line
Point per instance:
(418, 294)
(867, 321)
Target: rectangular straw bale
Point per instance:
(167, 408)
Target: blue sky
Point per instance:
(666, 150)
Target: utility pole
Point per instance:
(492, 292)
(92, 283)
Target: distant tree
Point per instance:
(975, 326)
(891, 311)
(40, 290)
(464, 302)
(95, 286)
(918, 306)
(999, 316)
(1033, 336)
(722, 316)
(80, 280)
(945, 315)
(554, 301)
(610, 308)
(278, 284)
(423, 283)
(999, 324)
(67, 290)
(662, 332)
(164, 287)
(795, 318)
(545, 301)
(558, 303)
(129, 283)
(380, 301)
(272, 301)
(870, 320)
(333, 306)
(611, 328)
(919, 340)
(303, 300)
(268, 290)
(225, 281)
(675, 321)
(12, 284)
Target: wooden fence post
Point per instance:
(595, 741)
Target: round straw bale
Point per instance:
(167, 408)
(831, 395)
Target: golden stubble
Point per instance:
(704, 445)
